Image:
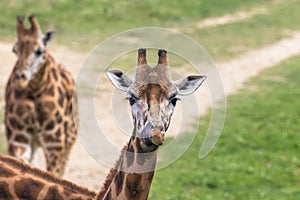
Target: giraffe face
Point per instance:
(30, 49)
(153, 96)
(152, 104)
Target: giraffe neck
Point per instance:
(43, 77)
(22, 181)
(132, 176)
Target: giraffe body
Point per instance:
(40, 109)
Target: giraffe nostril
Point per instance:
(161, 128)
(21, 76)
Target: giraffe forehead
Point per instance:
(153, 92)
(27, 44)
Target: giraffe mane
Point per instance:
(111, 174)
(45, 175)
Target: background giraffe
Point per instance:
(152, 97)
(40, 111)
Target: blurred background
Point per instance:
(255, 45)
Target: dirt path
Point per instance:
(231, 18)
(86, 171)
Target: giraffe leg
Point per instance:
(54, 151)
(34, 155)
(20, 151)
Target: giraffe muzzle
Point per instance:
(21, 76)
(21, 79)
(152, 136)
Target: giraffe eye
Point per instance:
(174, 100)
(39, 51)
(131, 100)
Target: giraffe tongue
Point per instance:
(151, 136)
(145, 135)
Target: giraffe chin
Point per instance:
(152, 136)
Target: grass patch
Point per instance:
(257, 155)
(227, 41)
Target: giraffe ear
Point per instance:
(48, 37)
(119, 79)
(189, 84)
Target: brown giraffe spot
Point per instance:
(49, 105)
(119, 181)
(133, 186)
(20, 110)
(58, 117)
(14, 123)
(11, 150)
(58, 133)
(63, 75)
(50, 91)
(53, 193)
(4, 191)
(68, 109)
(8, 94)
(17, 94)
(108, 195)
(8, 133)
(130, 156)
(5, 172)
(29, 119)
(27, 188)
(55, 148)
(30, 130)
(54, 74)
(67, 192)
(50, 139)
(42, 117)
(21, 139)
(50, 125)
(11, 107)
(66, 124)
(61, 97)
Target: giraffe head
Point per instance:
(153, 95)
(30, 49)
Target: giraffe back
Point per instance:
(22, 181)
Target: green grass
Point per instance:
(257, 155)
(228, 41)
(103, 18)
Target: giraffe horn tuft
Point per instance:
(162, 57)
(20, 26)
(141, 57)
(35, 28)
